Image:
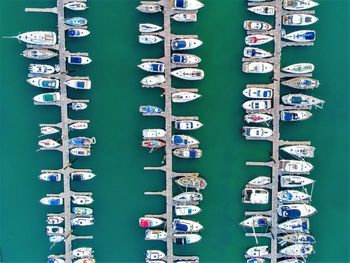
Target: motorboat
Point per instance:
(76, 6)
(153, 133)
(260, 181)
(299, 68)
(81, 176)
(256, 25)
(80, 151)
(257, 105)
(188, 197)
(186, 238)
(253, 52)
(186, 5)
(187, 153)
(183, 225)
(301, 36)
(255, 260)
(255, 196)
(149, 8)
(82, 141)
(54, 220)
(153, 143)
(79, 83)
(56, 238)
(265, 10)
(192, 182)
(77, 32)
(149, 28)
(48, 143)
(78, 60)
(186, 210)
(155, 234)
(48, 130)
(295, 115)
(299, 238)
(257, 118)
(300, 151)
(256, 132)
(183, 140)
(77, 106)
(50, 177)
(295, 166)
(149, 39)
(188, 73)
(297, 5)
(302, 100)
(292, 196)
(255, 40)
(298, 250)
(185, 43)
(257, 67)
(150, 110)
(187, 125)
(301, 225)
(41, 69)
(154, 254)
(45, 83)
(299, 20)
(39, 54)
(302, 83)
(258, 251)
(295, 210)
(183, 96)
(40, 38)
(78, 126)
(152, 81)
(150, 222)
(291, 260)
(258, 93)
(185, 59)
(82, 211)
(82, 221)
(76, 21)
(55, 259)
(82, 199)
(155, 67)
(54, 230)
(82, 252)
(291, 181)
(55, 200)
(85, 260)
(185, 17)
(256, 221)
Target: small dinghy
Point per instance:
(183, 96)
(149, 28)
(256, 221)
(82, 211)
(186, 210)
(257, 118)
(253, 52)
(76, 21)
(184, 59)
(299, 238)
(297, 5)
(188, 197)
(299, 68)
(155, 67)
(50, 177)
(183, 225)
(295, 166)
(186, 5)
(54, 230)
(295, 210)
(48, 143)
(257, 67)
(301, 225)
(80, 151)
(298, 250)
(155, 234)
(149, 39)
(41, 69)
(257, 105)
(52, 200)
(292, 196)
(82, 141)
(152, 81)
(302, 100)
(48, 130)
(45, 83)
(302, 83)
(150, 110)
(154, 254)
(54, 220)
(149, 8)
(192, 182)
(290, 181)
(185, 17)
(76, 6)
(78, 60)
(301, 36)
(83, 221)
(295, 115)
(301, 151)
(265, 10)
(82, 252)
(187, 125)
(256, 25)
(299, 20)
(153, 133)
(153, 144)
(255, 196)
(48, 98)
(259, 251)
(258, 93)
(82, 199)
(56, 239)
(256, 132)
(184, 239)
(150, 222)
(79, 83)
(77, 106)
(188, 73)
(183, 140)
(255, 40)
(77, 32)
(81, 176)
(78, 126)
(39, 54)
(260, 181)
(188, 153)
(185, 43)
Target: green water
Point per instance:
(118, 159)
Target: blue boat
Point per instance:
(82, 141)
(295, 115)
(188, 153)
(295, 210)
(52, 201)
(183, 140)
(76, 21)
(185, 43)
(155, 67)
(150, 110)
(77, 32)
(301, 36)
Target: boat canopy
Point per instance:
(81, 84)
(181, 227)
(297, 100)
(291, 213)
(179, 44)
(180, 3)
(55, 202)
(76, 60)
(53, 178)
(72, 32)
(290, 116)
(262, 222)
(157, 67)
(192, 153)
(178, 139)
(310, 35)
(178, 58)
(48, 83)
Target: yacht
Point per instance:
(299, 68)
(155, 67)
(81, 176)
(296, 5)
(56, 238)
(82, 141)
(149, 8)
(255, 40)
(260, 181)
(291, 181)
(257, 67)
(76, 6)
(149, 28)
(183, 225)
(41, 69)
(153, 144)
(45, 83)
(153, 133)
(188, 73)
(295, 166)
(256, 25)
(298, 250)
(183, 96)
(78, 60)
(54, 200)
(186, 238)
(77, 32)
(54, 230)
(299, 238)
(301, 36)
(301, 225)
(187, 125)
(76, 21)
(55, 259)
(82, 199)
(185, 17)
(155, 235)
(82, 252)
(257, 105)
(256, 221)
(183, 140)
(78, 126)
(265, 10)
(186, 5)
(185, 43)
(192, 182)
(257, 118)
(302, 83)
(258, 93)
(150, 222)
(80, 151)
(79, 83)
(184, 59)
(50, 177)
(39, 54)
(300, 151)
(295, 210)
(258, 133)
(292, 196)
(77, 106)
(149, 39)
(295, 115)
(82, 221)
(259, 251)
(302, 100)
(186, 210)
(48, 143)
(188, 153)
(255, 196)
(82, 211)
(152, 81)
(188, 197)
(54, 220)
(154, 254)
(150, 110)
(253, 52)
(85, 260)
(40, 38)
(48, 130)
(299, 20)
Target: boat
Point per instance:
(257, 67)
(79, 83)
(41, 69)
(77, 32)
(82, 141)
(256, 132)
(185, 17)
(82, 221)
(80, 151)
(258, 251)
(183, 96)
(302, 83)
(82, 211)
(295, 225)
(149, 28)
(152, 81)
(76, 6)
(50, 177)
(299, 68)
(256, 221)
(253, 52)
(81, 176)
(150, 110)
(192, 182)
(256, 25)
(154, 254)
(186, 5)
(291, 260)
(295, 166)
(183, 225)
(255, 196)
(296, 5)
(184, 59)
(292, 196)
(260, 181)
(255, 40)
(299, 238)
(187, 125)
(40, 38)
(45, 83)
(54, 220)
(82, 199)
(153, 144)
(301, 151)
(155, 67)
(298, 250)
(155, 234)
(302, 100)
(258, 93)
(55, 259)
(48, 130)
(290, 181)
(188, 197)
(150, 222)
(48, 143)
(85, 260)
(38, 53)
(82, 252)
(149, 8)
(257, 105)
(255, 260)
(54, 230)
(78, 106)
(153, 133)
(265, 10)
(187, 153)
(185, 43)
(78, 126)
(301, 36)
(299, 20)
(187, 210)
(295, 210)
(183, 140)
(76, 21)
(56, 238)
(149, 39)
(188, 73)
(257, 118)
(78, 60)
(52, 200)
(295, 115)
(186, 238)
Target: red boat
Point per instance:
(257, 118)
(153, 144)
(150, 222)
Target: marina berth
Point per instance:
(77, 106)
(78, 60)
(299, 238)
(299, 20)
(256, 132)
(295, 115)
(188, 197)
(54, 220)
(76, 6)
(257, 118)
(301, 225)
(82, 221)
(150, 222)
(295, 210)
(77, 32)
(76, 21)
(186, 210)
(186, 238)
(149, 28)
(45, 83)
(154, 80)
(256, 221)
(255, 40)
(300, 151)
(79, 84)
(188, 153)
(258, 251)
(192, 182)
(185, 17)
(55, 200)
(54, 230)
(82, 199)
(302, 83)
(153, 144)
(256, 25)
(82, 252)
(291, 181)
(183, 225)
(40, 38)
(255, 196)
(253, 52)
(292, 196)
(265, 10)
(149, 8)
(297, 5)
(183, 140)
(154, 254)
(258, 93)
(155, 234)
(82, 211)
(185, 43)
(184, 59)
(257, 67)
(301, 36)
(299, 68)
(82, 141)
(39, 54)
(260, 181)
(187, 125)
(155, 67)
(48, 143)
(183, 96)
(48, 130)
(153, 133)
(80, 151)
(188, 73)
(257, 105)
(50, 177)
(41, 69)
(186, 5)
(301, 100)
(78, 126)
(295, 166)
(298, 250)
(149, 39)
(81, 176)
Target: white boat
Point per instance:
(153, 133)
(39, 53)
(154, 254)
(149, 28)
(150, 222)
(255, 196)
(47, 130)
(296, 5)
(298, 250)
(81, 151)
(188, 73)
(290, 181)
(82, 211)
(54, 230)
(41, 69)
(265, 10)
(48, 143)
(45, 83)
(256, 25)
(50, 177)
(295, 210)
(183, 96)
(301, 36)
(188, 197)
(82, 221)
(185, 17)
(299, 20)
(188, 5)
(256, 132)
(184, 59)
(258, 251)
(183, 140)
(154, 80)
(56, 238)
(54, 220)
(149, 39)
(260, 181)
(256, 221)
(149, 8)
(155, 234)
(292, 196)
(295, 115)
(81, 176)
(254, 40)
(186, 210)
(155, 67)
(258, 93)
(302, 83)
(187, 153)
(82, 252)
(78, 60)
(77, 32)
(257, 67)
(301, 151)
(85, 260)
(257, 118)
(185, 43)
(301, 100)
(183, 225)
(295, 166)
(255, 260)
(76, 6)
(187, 125)
(257, 105)
(253, 52)
(186, 238)
(78, 126)
(40, 38)
(78, 106)
(82, 199)
(299, 68)
(291, 260)
(295, 225)
(55, 259)
(79, 83)
(52, 200)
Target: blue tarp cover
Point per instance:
(180, 3)
(76, 60)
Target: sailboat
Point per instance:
(40, 38)
(186, 5)
(39, 53)
(291, 181)
(149, 28)
(302, 83)
(192, 182)
(302, 100)
(183, 96)
(295, 166)
(256, 221)
(254, 40)
(41, 69)
(295, 210)
(186, 210)
(292, 196)
(184, 140)
(45, 83)
(301, 225)
(296, 5)
(301, 151)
